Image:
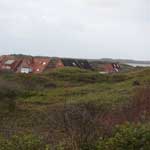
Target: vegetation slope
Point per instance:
(75, 109)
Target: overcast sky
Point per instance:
(76, 28)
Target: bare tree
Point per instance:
(77, 124)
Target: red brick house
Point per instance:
(59, 63)
(9, 63)
(111, 68)
(29, 64)
(40, 64)
(26, 65)
(1, 60)
(54, 63)
(33, 65)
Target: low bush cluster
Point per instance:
(78, 75)
(22, 142)
(127, 137)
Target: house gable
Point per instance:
(40, 64)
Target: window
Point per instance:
(74, 64)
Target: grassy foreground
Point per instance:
(75, 109)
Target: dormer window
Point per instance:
(74, 64)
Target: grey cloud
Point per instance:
(76, 28)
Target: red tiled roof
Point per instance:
(9, 62)
(1, 59)
(37, 64)
(59, 63)
(111, 68)
(108, 68)
(25, 63)
(40, 64)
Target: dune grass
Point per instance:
(36, 95)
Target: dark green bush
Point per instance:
(128, 137)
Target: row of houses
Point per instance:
(29, 64)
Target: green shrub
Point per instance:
(4, 145)
(27, 142)
(128, 137)
(22, 142)
(77, 75)
(119, 77)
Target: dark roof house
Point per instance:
(80, 63)
(84, 64)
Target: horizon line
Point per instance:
(111, 58)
